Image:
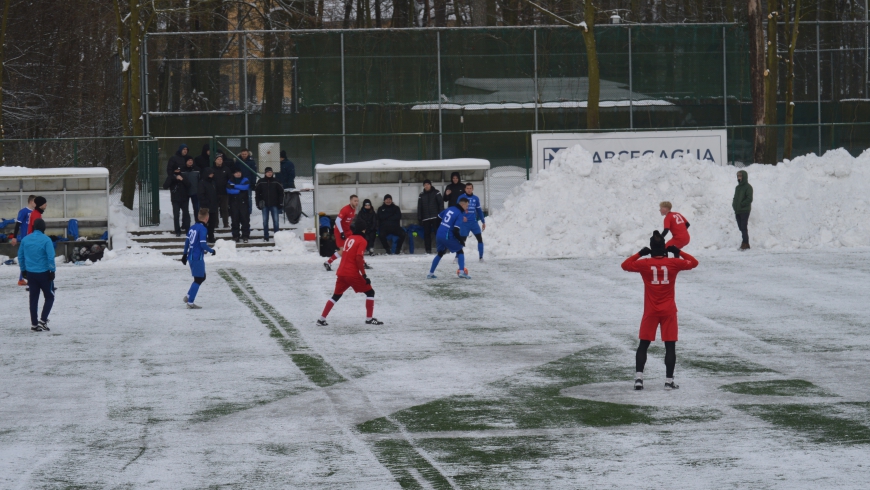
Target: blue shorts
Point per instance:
(470, 227)
(197, 268)
(450, 244)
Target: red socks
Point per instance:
(370, 307)
(327, 308)
(332, 259)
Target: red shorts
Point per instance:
(650, 323)
(339, 241)
(677, 243)
(358, 283)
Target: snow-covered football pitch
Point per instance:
(518, 378)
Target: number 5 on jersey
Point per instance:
(655, 273)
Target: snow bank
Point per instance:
(289, 243)
(119, 225)
(577, 208)
(225, 249)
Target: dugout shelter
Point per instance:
(403, 180)
(72, 193)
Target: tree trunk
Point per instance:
(440, 13)
(771, 84)
(320, 5)
(792, 31)
(756, 75)
(2, 61)
(478, 12)
(491, 14)
(594, 94)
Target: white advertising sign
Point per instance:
(702, 144)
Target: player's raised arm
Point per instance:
(630, 264)
(691, 262)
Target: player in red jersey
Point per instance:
(352, 274)
(342, 229)
(675, 223)
(659, 275)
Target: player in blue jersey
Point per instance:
(472, 216)
(448, 238)
(21, 226)
(195, 247)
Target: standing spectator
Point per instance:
(208, 199)
(248, 166)
(37, 212)
(287, 172)
(237, 190)
(179, 190)
(454, 190)
(742, 204)
(203, 161)
(177, 160)
(191, 173)
(389, 223)
(368, 216)
(36, 261)
(21, 225)
(270, 198)
(222, 175)
(429, 204)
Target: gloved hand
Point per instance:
(231, 185)
(212, 252)
(644, 251)
(51, 275)
(261, 205)
(184, 259)
(343, 237)
(674, 250)
(462, 240)
(368, 281)
(24, 274)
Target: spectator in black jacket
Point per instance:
(287, 172)
(390, 223)
(179, 189)
(208, 199)
(370, 218)
(177, 160)
(454, 190)
(270, 198)
(248, 166)
(203, 161)
(429, 204)
(222, 174)
(191, 173)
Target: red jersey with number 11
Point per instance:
(659, 276)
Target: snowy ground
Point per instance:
(519, 378)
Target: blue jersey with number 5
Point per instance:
(449, 219)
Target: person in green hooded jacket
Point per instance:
(742, 205)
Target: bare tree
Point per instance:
(791, 30)
(3, 26)
(587, 28)
(756, 74)
(771, 85)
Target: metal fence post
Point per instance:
(535, 61)
(244, 38)
(819, 87)
(313, 158)
(438, 59)
(145, 86)
(76, 153)
(343, 129)
(630, 85)
(725, 74)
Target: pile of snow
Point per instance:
(120, 223)
(225, 249)
(289, 243)
(577, 208)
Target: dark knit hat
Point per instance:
(657, 245)
(268, 169)
(427, 181)
(39, 201)
(39, 225)
(283, 154)
(387, 196)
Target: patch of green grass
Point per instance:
(223, 409)
(723, 365)
(777, 387)
(317, 370)
(407, 465)
(830, 423)
(378, 426)
(277, 449)
(448, 291)
(490, 451)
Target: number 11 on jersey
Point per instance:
(655, 273)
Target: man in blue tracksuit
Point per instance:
(474, 213)
(448, 237)
(21, 223)
(36, 260)
(195, 247)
